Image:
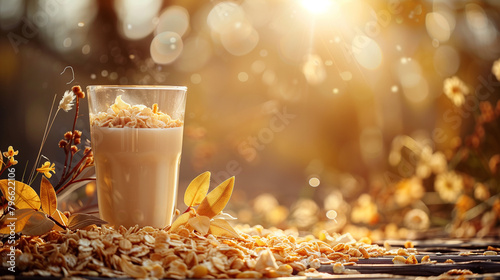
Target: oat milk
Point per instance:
(136, 167)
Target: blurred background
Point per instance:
(332, 114)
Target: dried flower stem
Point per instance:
(77, 109)
(48, 127)
(60, 187)
(85, 208)
(5, 167)
(69, 154)
(56, 222)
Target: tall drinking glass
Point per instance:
(136, 135)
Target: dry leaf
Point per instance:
(80, 220)
(60, 218)
(200, 223)
(197, 189)
(220, 227)
(181, 220)
(25, 196)
(48, 197)
(21, 216)
(37, 224)
(217, 199)
(225, 216)
(1, 160)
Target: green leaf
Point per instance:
(19, 217)
(80, 220)
(25, 196)
(197, 189)
(217, 199)
(37, 224)
(219, 227)
(48, 197)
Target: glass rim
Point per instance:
(158, 87)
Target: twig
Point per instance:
(65, 178)
(56, 222)
(5, 167)
(83, 180)
(24, 172)
(45, 135)
(77, 108)
(69, 154)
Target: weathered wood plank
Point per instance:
(440, 258)
(480, 267)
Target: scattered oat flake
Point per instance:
(155, 253)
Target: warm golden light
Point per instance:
(316, 6)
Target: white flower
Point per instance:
(423, 169)
(496, 69)
(456, 90)
(417, 219)
(438, 163)
(449, 186)
(430, 162)
(67, 100)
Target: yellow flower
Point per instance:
(464, 204)
(10, 152)
(12, 161)
(449, 186)
(409, 191)
(365, 210)
(46, 168)
(456, 90)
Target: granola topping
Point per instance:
(122, 114)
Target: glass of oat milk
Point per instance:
(136, 134)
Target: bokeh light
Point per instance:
(332, 115)
(166, 47)
(175, 19)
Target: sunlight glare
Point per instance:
(316, 6)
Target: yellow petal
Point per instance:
(181, 220)
(48, 196)
(197, 189)
(217, 199)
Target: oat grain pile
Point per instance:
(149, 252)
(200, 243)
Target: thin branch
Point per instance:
(45, 135)
(5, 167)
(77, 108)
(65, 178)
(56, 222)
